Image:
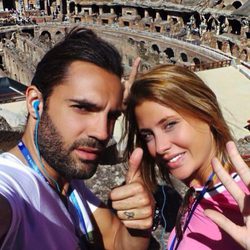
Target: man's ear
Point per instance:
(34, 102)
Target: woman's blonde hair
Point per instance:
(183, 91)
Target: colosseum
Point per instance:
(198, 34)
(201, 35)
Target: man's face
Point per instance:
(79, 119)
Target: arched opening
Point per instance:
(45, 37)
(1, 63)
(106, 9)
(9, 4)
(71, 7)
(41, 4)
(151, 12)
(145, 68)
(243, 55)
(131, 41)
(196, 61)
(140, 12)
(169, 52)
(184, 57)
(95, 9)
(58, 36)
(236, 26)
(219, 44)
(29, 31)
(155, 48)
(64, 7)
(237, 4)
(79, 8)
(163, 14)
(118, 10)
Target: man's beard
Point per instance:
(59, 157)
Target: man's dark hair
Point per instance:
(79, 44)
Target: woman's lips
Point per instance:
(175, 161)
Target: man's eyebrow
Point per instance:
(84, 103)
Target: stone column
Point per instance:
(1, 5)
(45, 7)
(25, 4)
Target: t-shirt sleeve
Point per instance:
(93, 201)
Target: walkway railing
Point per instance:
(212, 65)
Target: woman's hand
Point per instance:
(240, 234)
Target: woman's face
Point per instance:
(182, 143)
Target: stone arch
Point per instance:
(155, 48)
(145, 67)
(105, 8)
(169, 52)
(236, 26)
(1, 63)
(45, 38)
(231, 2)
(212, 23)
(184, 57)
(235, 50)
(131, 41)
(244, 55)
(9, 4)
(142, 43)
(219, 44)
(72, 7)
(196, 61)
(237, 4)
(58, 36)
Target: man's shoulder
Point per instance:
(7, 158)
(10, 164)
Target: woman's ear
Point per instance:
(34, 102)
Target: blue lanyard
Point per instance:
(72, 195)
(197, 201)
(29, 159)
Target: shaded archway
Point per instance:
(184, 57)
(196, 61)
(169, 52)
(237, 4)
(155, 48)
(72, 7)
(131, 41)
(9, 4)
(236, 26)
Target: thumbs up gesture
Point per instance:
(133, 201)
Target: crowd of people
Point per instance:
(174, 127)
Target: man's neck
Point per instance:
(55, 180)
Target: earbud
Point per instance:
(35, 105)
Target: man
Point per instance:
(73, 102)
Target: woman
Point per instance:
(177, 121)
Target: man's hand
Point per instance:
(133, 201)
(129, 82)
(240, 234)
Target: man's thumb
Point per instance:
(134, 165)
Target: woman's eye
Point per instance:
(170, 125)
